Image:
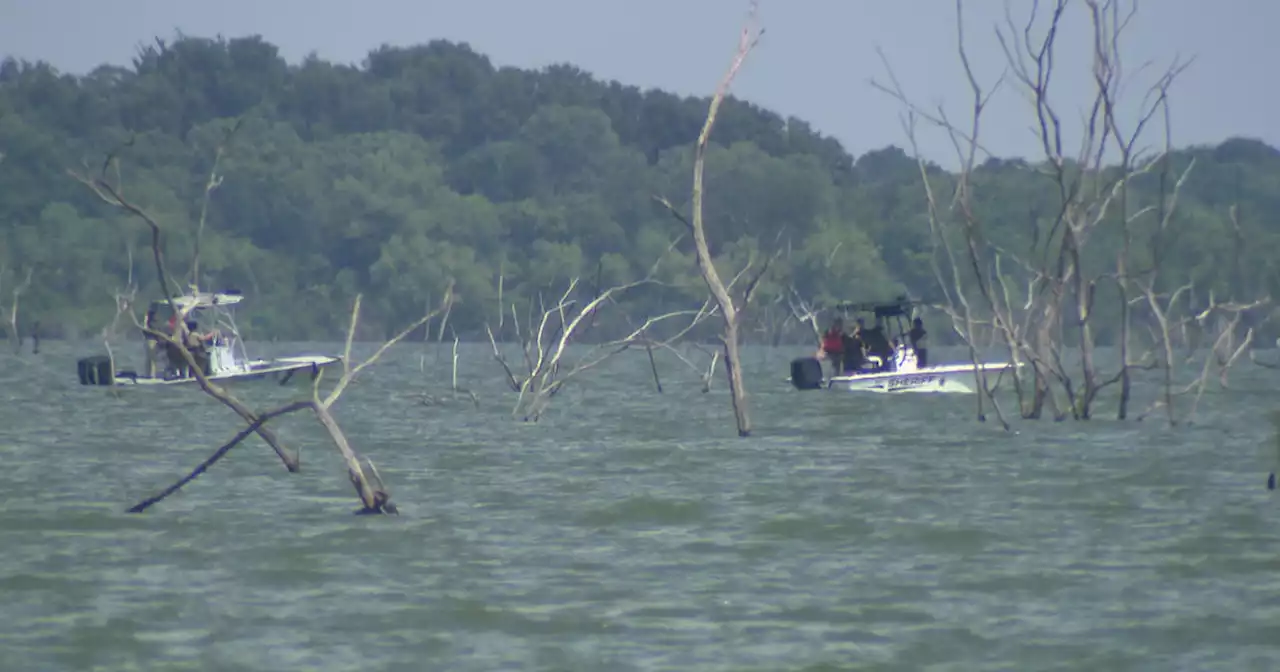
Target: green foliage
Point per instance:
(428, 164)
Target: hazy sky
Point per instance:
(815, 61)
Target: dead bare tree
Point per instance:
(123, 298)
(1171, 313)
(958, 213)
(803, 312)
(775, 319)
(706, 372)
(1229, 352)
(15, 295)
(1175, 314)
(546, 340)
(372, 492)
(110, 193)
(456, 392)
(985, 280)
(729, 307)
(214, 181)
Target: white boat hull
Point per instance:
(282, 367)
(220, 344)
(948, 378)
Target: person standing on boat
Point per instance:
(918, 344)
(854, 350)
(198, 344)
(151, 342)
(833, 346)
(177, 365)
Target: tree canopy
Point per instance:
(428, 164)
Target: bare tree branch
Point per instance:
(729, 310)
(218, 454)
(111, 195)
(373, 494)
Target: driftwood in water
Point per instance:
(218, 454)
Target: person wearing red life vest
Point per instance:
(833, 346)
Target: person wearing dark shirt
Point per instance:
(854, 351)
(878, 345)
(918, 343)
(198, 345)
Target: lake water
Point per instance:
(631, 530)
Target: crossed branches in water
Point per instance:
(372, 491)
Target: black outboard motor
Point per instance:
(806, 373)
(95, 370)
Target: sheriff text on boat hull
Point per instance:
(950, 379)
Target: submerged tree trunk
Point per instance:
(1084, 309)
(374, 498)
(729, 311)
(737, 389)
(1126, 380)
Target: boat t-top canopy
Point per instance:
(900, 307)
(189, 302)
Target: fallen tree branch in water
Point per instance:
(111, 193)
(372, 492)
(374, 495)
(219, 454)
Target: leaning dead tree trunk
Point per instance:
(730, 311)
(372, 492)
(111, 195)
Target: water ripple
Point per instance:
(631, 531)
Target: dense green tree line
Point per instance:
(428, 163)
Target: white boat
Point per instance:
(903, 374)
(228, 359)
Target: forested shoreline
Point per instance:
(428, 164)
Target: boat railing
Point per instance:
(904, 360)
(221, 359)
(225, 322)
